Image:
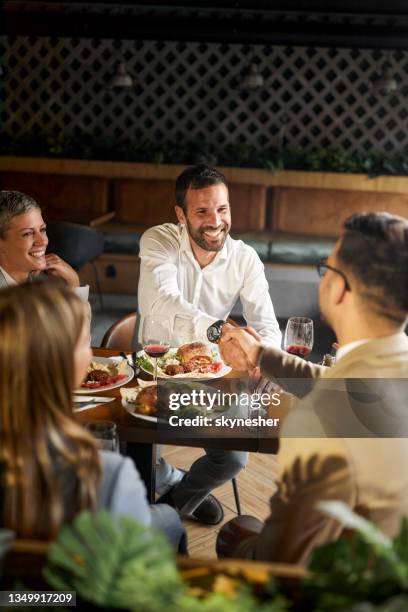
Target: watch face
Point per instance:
(213, 333)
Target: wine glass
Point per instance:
(299, 336)
(105, 434)
(156, 338)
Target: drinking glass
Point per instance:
(105, 434)
(299, 336)
(156, 338)
(183, 330)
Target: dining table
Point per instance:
(139, 438)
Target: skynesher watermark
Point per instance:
(211, 400)
(223, 421)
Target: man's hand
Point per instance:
(58, 267)
(240, 347)
(233, 355)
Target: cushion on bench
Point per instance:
(274, 247)
(271, 248)
(123, 243)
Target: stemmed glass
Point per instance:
(105, 433)
(299, 336)
(156, 338)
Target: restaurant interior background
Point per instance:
(302, 104)
(309, 86)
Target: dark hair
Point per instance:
(374, 247)
(196, 177)
(13, 203)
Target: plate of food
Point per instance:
(142, 402)
(105, 373)
(195, 360)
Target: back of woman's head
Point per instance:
(43, 451)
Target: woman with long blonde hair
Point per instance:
(50, 467)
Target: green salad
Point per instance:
(146, 363)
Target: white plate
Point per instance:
(130, 408)
(129, 374)
(191, 375)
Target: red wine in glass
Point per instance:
(299, 336)
(299, 350)
(156, 338)
(156, 350)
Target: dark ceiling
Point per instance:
(358, 23)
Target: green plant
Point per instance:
(368, 567)
(116, 565)
(82, 145)
(121, 564)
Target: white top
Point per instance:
(172, 282)
(9, 279)
(82, 292)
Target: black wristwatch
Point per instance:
(214, 331)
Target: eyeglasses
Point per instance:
(322, 268)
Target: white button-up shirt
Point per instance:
(172, 283)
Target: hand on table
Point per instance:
(240, 348)
(58, 267)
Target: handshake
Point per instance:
(240, 348)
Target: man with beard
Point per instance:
(197, 271)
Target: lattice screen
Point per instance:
(187, 91)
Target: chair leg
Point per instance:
(98, 285)
(236, 496)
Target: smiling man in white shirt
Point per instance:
(196, 270)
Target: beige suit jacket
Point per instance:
(292, 373)
(343, 456)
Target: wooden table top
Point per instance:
(132, 429)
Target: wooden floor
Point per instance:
(255, 483)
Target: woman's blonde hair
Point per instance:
(49, 465)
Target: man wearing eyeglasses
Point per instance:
(346, 439)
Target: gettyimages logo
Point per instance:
(223, 405)
(209, 400)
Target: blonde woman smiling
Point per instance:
(23, 244)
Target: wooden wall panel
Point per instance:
(248, 206)
(150, 202)
(321, 212)
(54, 191)
(143, 201)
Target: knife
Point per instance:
(87, 399)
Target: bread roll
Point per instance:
(194, 350)
(147, 400)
